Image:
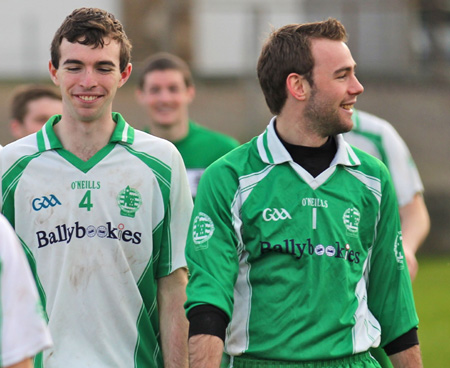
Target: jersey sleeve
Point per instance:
(211, 250)
(401, 165)
(176, 220)
(24, 332)
(390, 295)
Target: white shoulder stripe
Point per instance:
(46, 139)
(125, 133)
(371, 182)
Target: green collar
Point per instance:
(47, 139)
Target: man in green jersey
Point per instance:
(102, 211)
(295, 246)
(166, 89)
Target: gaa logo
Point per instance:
(273, 214)
(202, 230)
(45, 202)
(351, 220)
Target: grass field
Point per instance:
(432, 295)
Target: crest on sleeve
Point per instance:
(202, 230)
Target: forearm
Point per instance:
(173, 323)
(415, 222)
(27, 363)
(409, 358)
(205, 351)
(415, 228)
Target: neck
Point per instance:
(172, 133)
(293, 130)
(84, 139)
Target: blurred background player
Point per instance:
(31, 107)
(23, 331)
(165, 90)
(379, 138)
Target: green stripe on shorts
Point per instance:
(362, 360)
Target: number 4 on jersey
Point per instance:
(86, 201)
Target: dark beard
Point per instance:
(323, 118)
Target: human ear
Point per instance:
(53, 73)
(191, 93)
(125, 74)
(297, 86)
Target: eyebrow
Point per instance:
(100, 63)
(345, 69)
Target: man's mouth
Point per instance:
(348, 107)
(88, 98)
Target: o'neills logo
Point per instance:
(65, 234)
(300, 249)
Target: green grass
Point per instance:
(432, 296)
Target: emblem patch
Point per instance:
(129, 201)
(351, 220)
(202, 231)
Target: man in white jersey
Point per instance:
(295, 245)
(23, 331)
(379, 138)
(102, 210)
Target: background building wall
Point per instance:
(27, 29)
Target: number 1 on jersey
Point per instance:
(86, 201)
(314, 218)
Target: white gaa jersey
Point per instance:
(24, 332)
(99, 234)
(379, 138)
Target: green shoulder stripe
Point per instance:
(9, 183)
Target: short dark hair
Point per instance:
(288, 50)
(26, 94)
(90, 26)
(165, 61)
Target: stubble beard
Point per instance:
(323, 119)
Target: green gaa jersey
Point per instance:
(200, 148)
(379, 138)
(306, 268)
(98, 235)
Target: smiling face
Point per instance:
(166, 97)
(88, 78)
(334, 92)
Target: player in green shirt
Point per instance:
(295, 247)
(166, 89)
